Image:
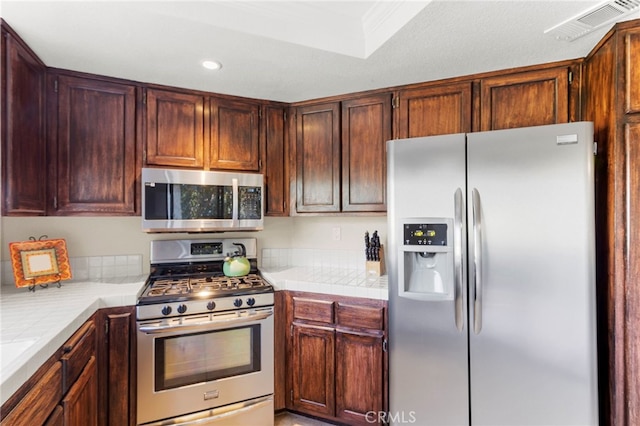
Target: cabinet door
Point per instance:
(524, 99)
(81, 402)
(39, 402)
(175, 133)
(116, 369)
(235, 141)
(435, 110)
(359, 377)
(366, 127)
(313, 385)
(24, 146)
(276, 161)
(318, 158)
(96, 147)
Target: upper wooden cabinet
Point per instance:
(92, 132)
(275, 163)
(189, 129)
(341, 155)
(531, 98)
(366, 128)
(24, 160)
(434, 110)
(175, 133)
(318, 158)
(632, 71)
(235, 137)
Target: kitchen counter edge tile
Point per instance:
(336, 281)
(33, 325)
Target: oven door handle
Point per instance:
(205, 325)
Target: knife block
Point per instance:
(376, 268)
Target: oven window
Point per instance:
(206, 356)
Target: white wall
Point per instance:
(105, 236)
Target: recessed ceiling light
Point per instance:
(212, 65)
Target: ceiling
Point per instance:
(296, 50)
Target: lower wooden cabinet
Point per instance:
(88, 381)
(337, 357)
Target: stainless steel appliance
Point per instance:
(491, 278)
(201, 201)
(205, 341)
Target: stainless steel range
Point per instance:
(205, 340)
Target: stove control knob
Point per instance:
(166, 310)
(251, 301)
(211, 305)
(237, 303)
(182, 309)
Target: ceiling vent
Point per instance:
(593, 18)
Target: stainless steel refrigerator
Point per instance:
(491, 268)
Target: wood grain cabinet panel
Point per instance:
(275, 164)
(36, 406)
(313, 310)
(24, 160)
(94, 139)
(175, 128)
(313, 361)
(359, 390)
(235, 136)
(81, 402)
(434, 110)
(318, 158)
(531, 98)
(366, 127)
(632, 71)
(77, 352)
(116, 366)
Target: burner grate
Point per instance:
(185, 286)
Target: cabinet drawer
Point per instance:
(39, 402)
(77, 352)
(313, 310)
(355, 316)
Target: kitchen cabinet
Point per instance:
(337, 357)
(175, 128)
(528, 98)
(64, 390)
(612, 103)
(340, 155)
(92, 131)
(318, 158)
(24, 159)
(366, 128)
(235, 135)
(275, 159)
(116, 366)
(191, 129)
(434, 110)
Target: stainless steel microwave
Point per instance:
(201, 201)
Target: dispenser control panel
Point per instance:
(425, 234)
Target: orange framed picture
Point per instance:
(39, 262)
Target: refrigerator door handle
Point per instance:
(477, 261)
(458, 260)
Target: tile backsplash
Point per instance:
(317, 258)
(92, 268)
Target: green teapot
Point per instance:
(236, 264)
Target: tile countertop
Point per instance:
(329, 280)
(33, 325)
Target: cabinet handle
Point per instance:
(385, 345)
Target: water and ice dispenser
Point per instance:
(425, 259)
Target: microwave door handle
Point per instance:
(236, 197)
(205, 325)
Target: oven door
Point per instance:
(196, 363)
